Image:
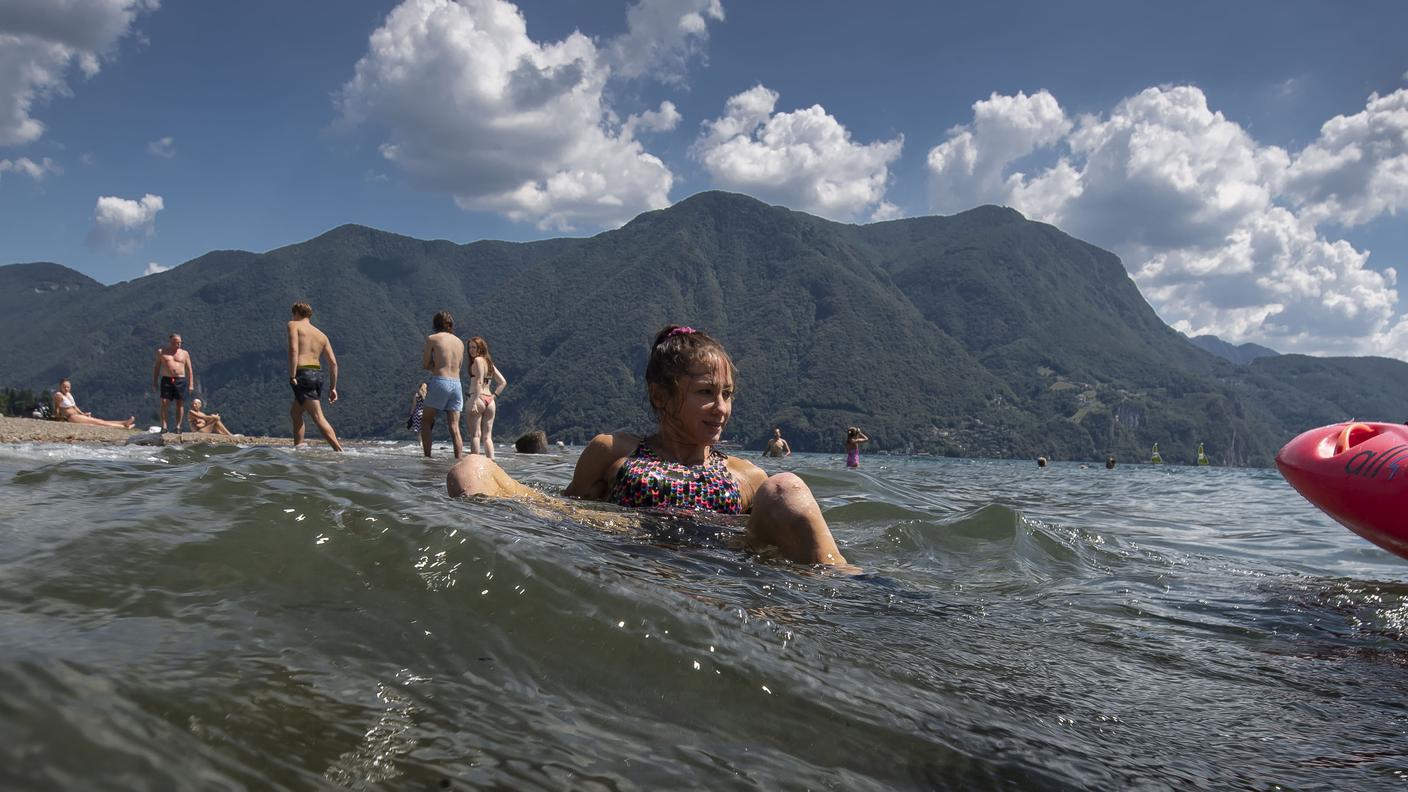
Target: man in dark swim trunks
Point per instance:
(307, 345)
(173, 377)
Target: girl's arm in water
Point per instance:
(782, 513)
(597, 465)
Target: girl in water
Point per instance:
(67, 409)
(486, 382)
(854, 437)
(690, 381)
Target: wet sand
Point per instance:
(34, 430)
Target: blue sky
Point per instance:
(1248, 161)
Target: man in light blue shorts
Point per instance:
(442, 357)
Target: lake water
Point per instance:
(222, 618)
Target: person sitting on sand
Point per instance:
(777, 447)
(854, 437)
(206, 423)
(690, 382)
(67, 409)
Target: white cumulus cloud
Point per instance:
(34, 170)
(153, 268)
(122, 224)
(804, 159)
(969, 165)
(40, 40)
(1357, 169)
(662, 36)
(1223, 234)
(471, 106)
(164, 148)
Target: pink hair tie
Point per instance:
(680, 331)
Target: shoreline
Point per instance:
(39, 430)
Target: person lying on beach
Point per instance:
(690, 379)
(67, 409)
(204, 422)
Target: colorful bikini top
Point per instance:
(647, 481)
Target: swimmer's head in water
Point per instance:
(677, 350)
(302, 310)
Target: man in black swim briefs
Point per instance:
(173, 377)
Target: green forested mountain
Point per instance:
(980, 334)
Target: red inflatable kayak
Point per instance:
(1356, 473)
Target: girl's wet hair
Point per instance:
(676, 350)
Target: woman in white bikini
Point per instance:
(486, 382)
(67, 409)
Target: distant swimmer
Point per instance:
(1109, 463)
(67, 409)
(777, 447)
(207, 423)
(690, 382)
(173, 378)
(307, 345)
(1041, 461)
(442, 356)
(854, 437)
(486, 382)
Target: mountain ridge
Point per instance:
(975, 334)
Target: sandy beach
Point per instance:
(34, 430)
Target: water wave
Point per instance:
(221, 617)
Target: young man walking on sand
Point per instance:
(306, 347)
(173, 378)
(442, 356)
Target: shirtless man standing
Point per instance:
(442, 356)
(777, 446)
(177, 379)
(306, 347)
